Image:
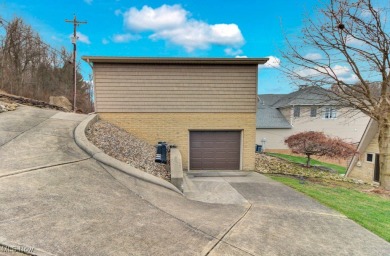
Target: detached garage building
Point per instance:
(205, 106)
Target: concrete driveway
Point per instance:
(56, 200)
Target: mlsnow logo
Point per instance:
(11, 249)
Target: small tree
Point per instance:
(318, 144)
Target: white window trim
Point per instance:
(324, 112)
(373, 158)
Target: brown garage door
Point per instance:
(215, 150)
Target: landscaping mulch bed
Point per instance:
(275, 165)
(272, 165)
(127, 148)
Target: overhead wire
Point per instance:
(6, 23)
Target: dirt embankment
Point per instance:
(6, 98)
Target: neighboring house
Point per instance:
(308, 109)
(204, 106)
(365, 165)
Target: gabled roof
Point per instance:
(312, 95)
(268, 113)
(269, 117)
(270, 99)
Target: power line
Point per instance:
(7, 23)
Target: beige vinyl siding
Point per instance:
(359, 167)
(175, 88)
(349, 126)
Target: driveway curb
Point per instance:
(100, 156)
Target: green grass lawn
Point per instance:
(302, 160)
(370, 211)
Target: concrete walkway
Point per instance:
(56, 200)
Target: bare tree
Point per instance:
(32, 68)
(346, 48)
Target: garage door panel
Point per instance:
(208, 152)
(222, 165)
(197, 165)
(227, 155)
(197, 154)
(221, 144)
(197, 144)
(208, 144)
(215, 150)
(220, 154)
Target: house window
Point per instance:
(313, 112)
(370, 157)
(330, 113)
(297, 111)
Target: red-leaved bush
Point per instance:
(318, 144)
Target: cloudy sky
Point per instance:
(191, 28)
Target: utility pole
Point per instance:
(74, 41)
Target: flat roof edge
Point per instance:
(168, 60)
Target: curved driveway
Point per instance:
(56, 200)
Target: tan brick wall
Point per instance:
(174, 128)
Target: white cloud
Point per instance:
(350, 79)
(241, 56)
(354, 42)
(226, 34)
(341, 70)
(171, 23)
(54, 38)
(191, 35)
(88, 1)
(199, 35)
(82, 38)
(163, 17)
(313, 56)
(307, 72)
(273, 62)
(232, 51)
(365, 13)
(124, 38)
(105, 41)
(342, 73)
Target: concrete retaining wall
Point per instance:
(176, 169)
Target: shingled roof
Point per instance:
(269, 116)
(312, 95)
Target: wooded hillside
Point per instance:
(33, 69)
